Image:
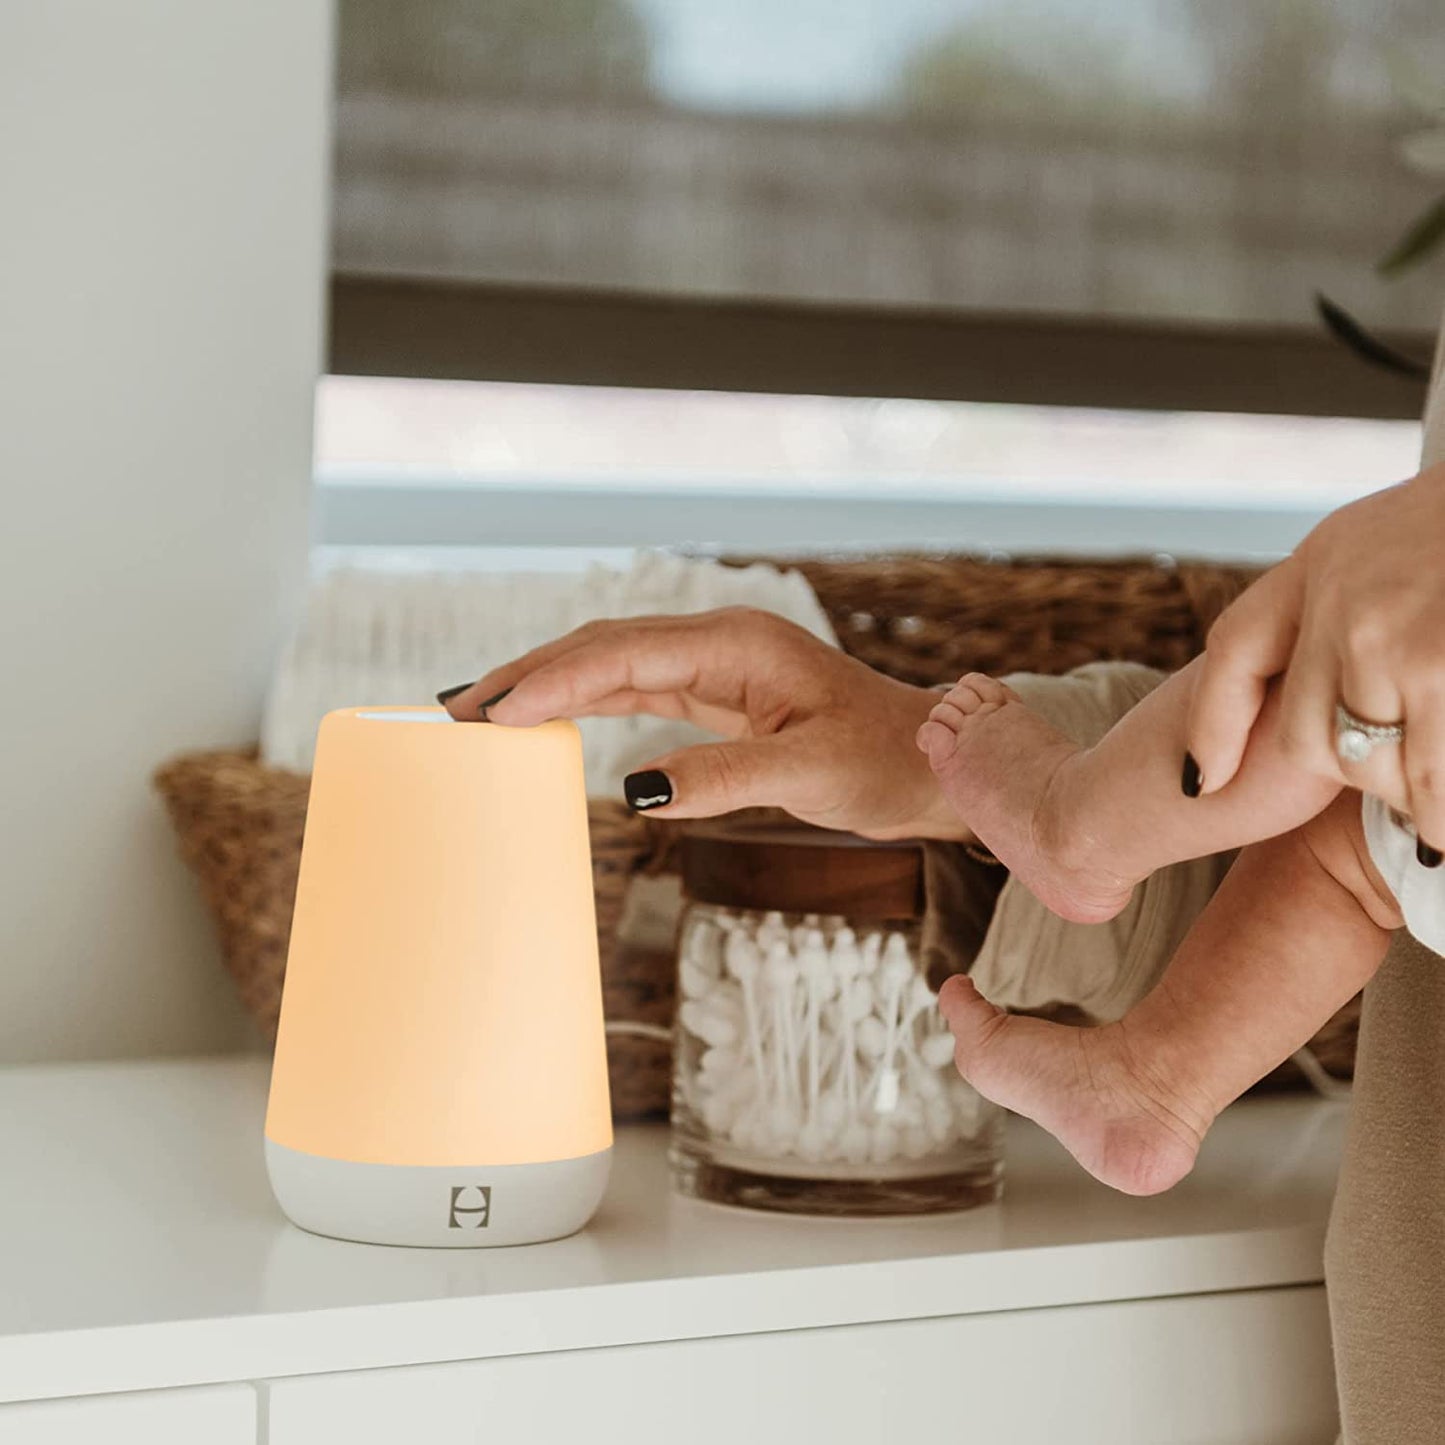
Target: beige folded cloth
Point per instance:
(1030, 960)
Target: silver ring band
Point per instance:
(1356, 739)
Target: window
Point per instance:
(1029, 275)
(465, 465)
(1126, 204)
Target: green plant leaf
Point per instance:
(1365, 344)
(1423, 236)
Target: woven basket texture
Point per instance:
(922, 619)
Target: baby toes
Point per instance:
(963, 697)
(972, 695)
(983, 692)
(938, 737)
(949, 713)
(970, 1017)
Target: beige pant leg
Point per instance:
(1385, 1256)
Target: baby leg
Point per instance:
(1080, 827)
(1299, 925)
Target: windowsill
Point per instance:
(601, 520)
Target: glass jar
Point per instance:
(812, 1070)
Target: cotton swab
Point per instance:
(744, 963)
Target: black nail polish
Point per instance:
(492, 702)
(1191, 780)
(648, 789)
(1429, 857)
(448, 693)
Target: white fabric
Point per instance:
(374, 636)
(1419, 891)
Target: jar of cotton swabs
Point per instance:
(813, 1073)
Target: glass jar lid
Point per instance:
(780, 864)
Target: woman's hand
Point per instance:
(806, 728)
(1356, 615)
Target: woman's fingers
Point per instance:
(1367, 689)
(1424, 766)
(824, 771)
(465, 703)
(677, 706)
(1249, 644)
(708, 657)
(662, 659)
(1308, 695)
(713, 778)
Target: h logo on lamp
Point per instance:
(471, 1207)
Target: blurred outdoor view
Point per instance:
(1180, 159)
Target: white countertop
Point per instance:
(140, 1247)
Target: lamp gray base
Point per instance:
(437, 1206)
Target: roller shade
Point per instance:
(1144, 168)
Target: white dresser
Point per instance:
(151, 1292)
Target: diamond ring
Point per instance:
(1356, 739)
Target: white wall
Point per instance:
(162, 252)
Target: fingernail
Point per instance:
(492, 702)
(1429, 857)
(1191, 780)
(448, 693)
(647, 789)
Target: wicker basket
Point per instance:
(929, 619)
(921, 619)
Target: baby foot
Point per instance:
(1086, 1086)
(1005, 771)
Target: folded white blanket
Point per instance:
(372, 636)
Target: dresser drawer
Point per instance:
(213, 1415)
(1249, 1367)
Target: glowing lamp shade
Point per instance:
(441, 1072)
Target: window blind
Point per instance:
(1154, 185)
